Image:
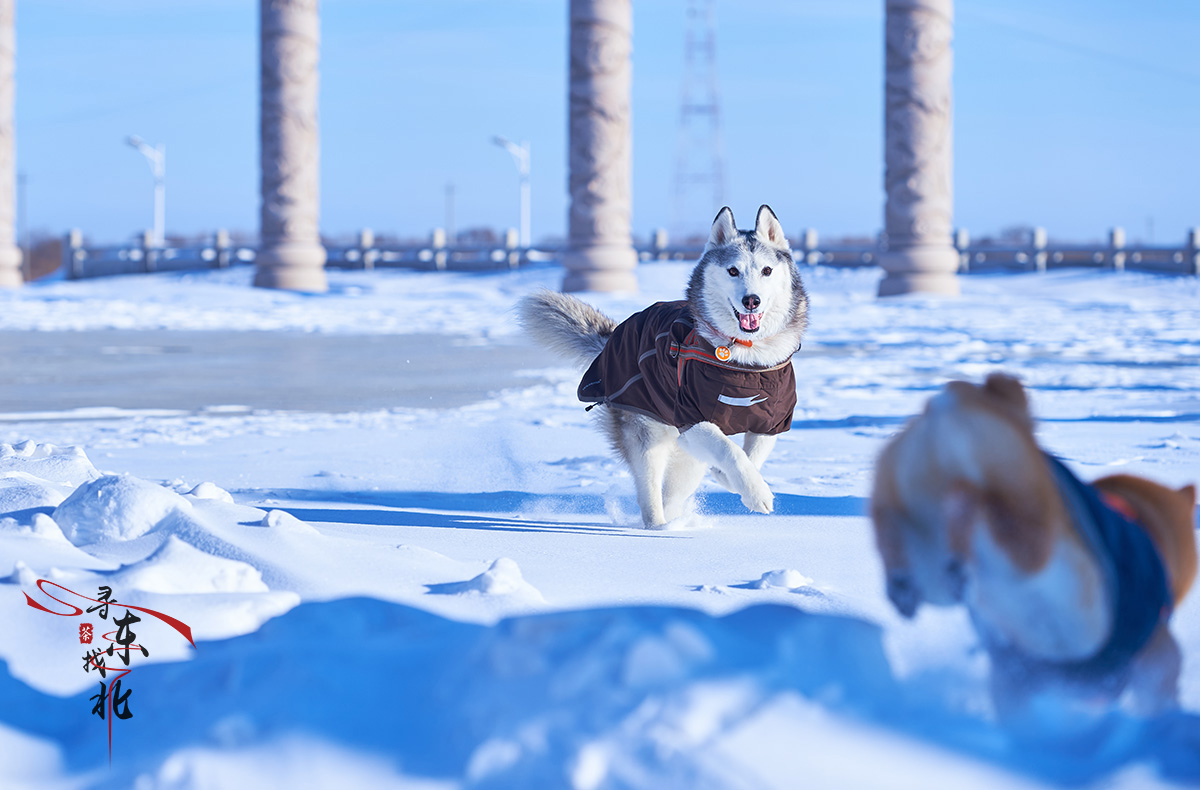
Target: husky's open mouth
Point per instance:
(748, 321)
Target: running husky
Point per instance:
(676, 380)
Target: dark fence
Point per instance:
(1037, 254)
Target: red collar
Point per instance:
(732, 340)
(1119, 504)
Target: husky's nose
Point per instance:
(751, 301)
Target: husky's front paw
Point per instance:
(758, 496)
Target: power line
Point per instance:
(1082, 49)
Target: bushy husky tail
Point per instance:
(565, 325)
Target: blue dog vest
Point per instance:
(1135, 575)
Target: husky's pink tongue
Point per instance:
(749, 321)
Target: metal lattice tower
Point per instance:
(699, 185)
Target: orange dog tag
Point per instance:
(723, 353)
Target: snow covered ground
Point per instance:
(459, 596)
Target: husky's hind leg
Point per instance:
(684, 474)
(649, 471)
(758, 446)
(646, 446)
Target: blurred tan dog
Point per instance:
(1067, 583)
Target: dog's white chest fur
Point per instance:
(1060, 613)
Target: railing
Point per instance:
(1038, 255)
(1035, 255)
(83, 261)
(80, 261)
(805, 250)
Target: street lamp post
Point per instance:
(157, 157)
(23, 228)
(520, 153)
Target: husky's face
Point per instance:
(746, 284)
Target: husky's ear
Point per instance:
(768, 229)
(723, 230)
(1189, 493)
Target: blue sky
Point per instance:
(1072, 114)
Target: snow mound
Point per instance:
(179, 568)
(116, 508)
(502, 577)
(45, 527)
(286, 522)
(22, 495)
(210, 491)
(67, 466)
(21, 576)
(786, 579)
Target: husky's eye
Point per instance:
(766, 271)
(733, 272)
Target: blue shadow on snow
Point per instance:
(426, 692)
(420, 509)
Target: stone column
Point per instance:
(600, 254)
(919, 150)
(10, 253)
(290, 254)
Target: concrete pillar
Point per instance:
(73, 254)
(366, 248)
(438, 241)
(660, 242)
(1040, 240)
(1116, 249)
(512, 243)
(600, 254)
(149, 247)
(224, 253)
(962, 243)
(918, 149)
(808, 247)
(290, 254)
(10, 253)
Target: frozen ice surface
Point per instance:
(394, 593)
